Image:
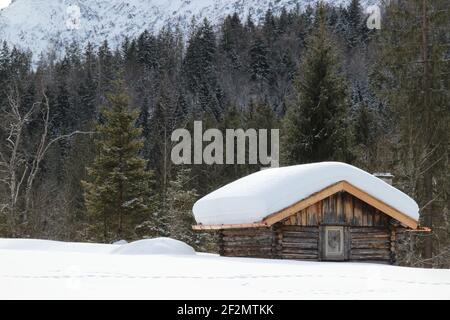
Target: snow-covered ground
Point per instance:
(32, 269)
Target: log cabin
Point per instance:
(326, 211)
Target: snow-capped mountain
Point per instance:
(40, 25)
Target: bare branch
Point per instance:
(17, 174)
(66, 136)
(43, 147)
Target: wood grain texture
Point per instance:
(341, 203)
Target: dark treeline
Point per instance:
(375, 98)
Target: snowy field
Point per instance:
(31, 269)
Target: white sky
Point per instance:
(4, 3)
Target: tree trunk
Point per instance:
(119, 232)
(105, 228)
(428, 174)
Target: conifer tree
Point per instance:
(88, 97)
(180, 199)
(316, 127)
(259, 64)
(118, 188)
(5, 72)
(284, 21)
(106, 69)
(363, 130)
(233, 41)
(260, 116)
(232, 33)
(249, 24)
(364, 144)
(87, 88)
(356, 30)
(200, 61)
(200, 70)
(62, 114)
(143, 119)
(411, 75)
(269, 27)
(146, 50)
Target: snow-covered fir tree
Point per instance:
(117, 191)
(316, 127)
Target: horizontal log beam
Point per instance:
(299, 228)
(300, 240)
(370, 236)
(383, 246)
(201, 227)
(369, 251)
(300, 235)
(299, 246)
(299, 256)
(372, 258)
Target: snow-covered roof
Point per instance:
(255, 197)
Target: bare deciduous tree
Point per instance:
(18, 167)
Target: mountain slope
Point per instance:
(40, 25)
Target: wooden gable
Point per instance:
(342, 208)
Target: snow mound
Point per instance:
(164, 246)
(254, 197)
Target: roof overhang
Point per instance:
(316, 197)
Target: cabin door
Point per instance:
(333, 243)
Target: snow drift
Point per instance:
(254, 197)
(155, 246)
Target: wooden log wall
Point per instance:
(300, 243)
(369, 235)
(369, 244)
(251, 242)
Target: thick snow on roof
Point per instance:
(254, 197)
